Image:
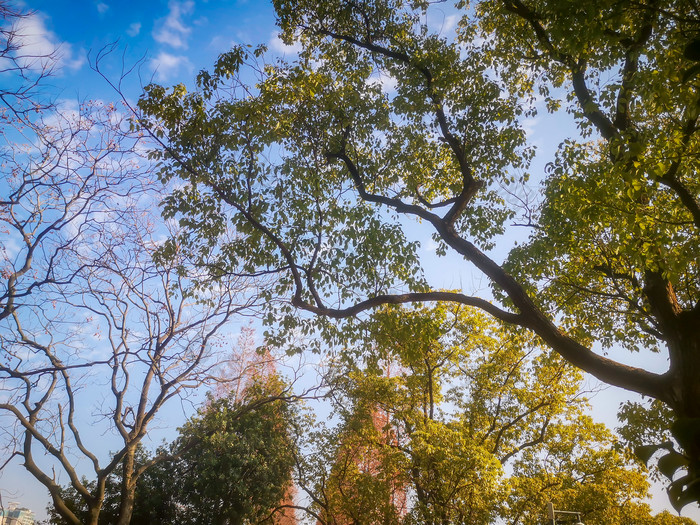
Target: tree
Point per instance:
(23, 69)
(109, 513)
(55, 171)
(466, 422)
(240, 470)
(321, 170)
(231, 463)
(96, 334)
(351, 473)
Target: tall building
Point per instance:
(246, 367)
(16, 515)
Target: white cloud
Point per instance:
(167, 65)
(102, 8)
(9, 250)
(450, 23)
(387, 83)
(531, 127)
(172, 30)
(134, 29)
(40, 48)
(442, 20)
(219, 42)
(276, 44)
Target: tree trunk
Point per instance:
(128, 489)
(93, 515)
(685, 385)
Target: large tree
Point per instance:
(462, 421)
(321, 167)
(96, 336)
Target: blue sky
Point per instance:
(172, 41)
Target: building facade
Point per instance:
(16, 515)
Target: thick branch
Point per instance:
(419, 297)
(469, 185)
(577, 68)
(670, 178)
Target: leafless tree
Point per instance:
(95, 336)
(24, 66)
(60, 174)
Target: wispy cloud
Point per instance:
(172, 30)
(387, 83)
(443, 20)
(277, 45)
(40, 48)
(222, 42)
(134, 29)
(167, 65)
(102, 8)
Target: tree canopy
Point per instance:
(450, 418)
(319, 163)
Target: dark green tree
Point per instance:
(240, 468)
(154, 501)
(231, 464)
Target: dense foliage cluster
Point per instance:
(447, 418)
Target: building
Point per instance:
(16, 515)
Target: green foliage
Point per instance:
(645, 428)
(154, 502)
(319, 169)
(273, 155)
(609, 217)
(652, 431)
(644, 424)
(240, 466)
(449, 418)
(231, 463)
